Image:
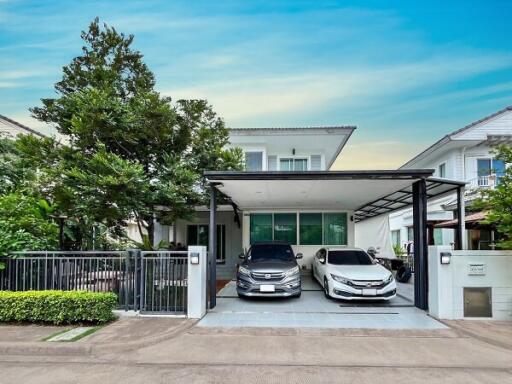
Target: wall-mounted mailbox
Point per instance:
(194, 258)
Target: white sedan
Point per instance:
(351, 274)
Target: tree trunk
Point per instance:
(151, 230)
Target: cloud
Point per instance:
(375, 155)
(240, 100)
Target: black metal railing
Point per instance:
(147, 281)
(164, 281)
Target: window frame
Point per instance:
(293, 159)
(221, 231)
(442, 166)
(299, 238)
(298, 241)
(252, 151)
(399, 238)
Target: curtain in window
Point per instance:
(285, 164)
(335, 228)
(300, 165)
(310, 228)
(285, 227)
(260, 227)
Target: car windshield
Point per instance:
(265, 252)
(349, 258)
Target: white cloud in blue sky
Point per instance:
(404, 73)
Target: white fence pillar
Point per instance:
(440, 284)
(196, 300)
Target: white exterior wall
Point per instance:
(447, 282)
(291, 143)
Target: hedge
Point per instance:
(57, 307)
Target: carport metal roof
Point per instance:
(367, 193)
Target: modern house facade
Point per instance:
(464, 155)
(273, 150)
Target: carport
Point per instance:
(365, 194)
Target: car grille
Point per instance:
(368, 284)
(267, 276)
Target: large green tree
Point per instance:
(498, 201)
(127, 151)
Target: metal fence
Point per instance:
(164, 281)
(148, 281)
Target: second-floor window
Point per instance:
(486, 167)
(442, 171)
(253, 161)
(293, 164)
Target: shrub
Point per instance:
(57, 307)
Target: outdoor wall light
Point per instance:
(446, 257)
(194, 258)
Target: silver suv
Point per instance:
(269, 270)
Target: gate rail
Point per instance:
(148, 281)
(163, 282)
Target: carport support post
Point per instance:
(460, 240)
(212, 246)
(419, 202)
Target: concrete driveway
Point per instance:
(313, 310)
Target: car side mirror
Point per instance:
(299, 256)
(241, 256)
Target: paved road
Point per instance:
(209, 355)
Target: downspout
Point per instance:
(464, 163)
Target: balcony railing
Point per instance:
(486, 182)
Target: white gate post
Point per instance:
(440, 284)
(196, 295)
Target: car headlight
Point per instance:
(292, 271)
(341, 279)
(244, 271)
(389, 279)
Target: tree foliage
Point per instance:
(25, 224)
(498, 201)
(128, 152)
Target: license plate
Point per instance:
(369, 292)
(267, 288)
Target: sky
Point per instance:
(404, 72)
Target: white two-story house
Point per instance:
(464, 155)
(269, 149)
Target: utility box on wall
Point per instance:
(473, 284)
(477, 302)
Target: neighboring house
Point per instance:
(463, 155)
(12, 128)
(266, 149)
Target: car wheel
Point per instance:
(403, 275)
(240, 296)
(326, 288)
(297, 295)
